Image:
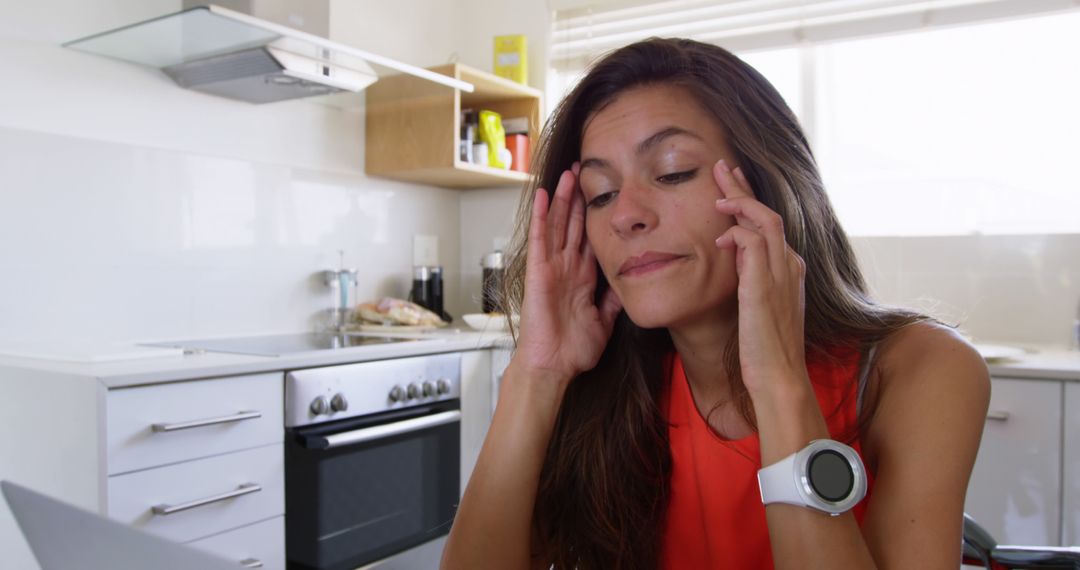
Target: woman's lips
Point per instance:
(647, 263)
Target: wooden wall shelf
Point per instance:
(413, 129)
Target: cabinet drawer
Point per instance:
(1015, 488)
(262, 542)
(132, 497)
(155, 425)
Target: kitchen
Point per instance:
(133, 210)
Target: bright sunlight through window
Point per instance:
(943, 131)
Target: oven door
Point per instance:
(362, 489)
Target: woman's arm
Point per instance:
(935, 391)
(933, 396)
(493, 523)
(563, 332)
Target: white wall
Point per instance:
(419, 32)
(131, 209)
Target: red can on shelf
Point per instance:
(519, 151)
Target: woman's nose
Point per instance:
(633, 213)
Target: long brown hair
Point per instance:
(604, 484)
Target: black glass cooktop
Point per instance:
(281, 344)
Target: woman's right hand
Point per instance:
(563, 331)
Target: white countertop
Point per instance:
(122, 373)
(1047, 364)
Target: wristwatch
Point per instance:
(825, 475)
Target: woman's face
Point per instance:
(646, 173)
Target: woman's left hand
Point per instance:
(770, 292)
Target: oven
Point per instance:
(372, 459)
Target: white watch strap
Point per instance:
(778, 483)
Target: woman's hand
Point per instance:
(771, 302)
(563, 331)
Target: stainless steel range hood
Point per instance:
(231, 54)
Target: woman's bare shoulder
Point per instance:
(930, 351)
(928, 375)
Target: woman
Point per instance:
(691, 312)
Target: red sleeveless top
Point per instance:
(715, 518)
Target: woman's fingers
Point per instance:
(739, 201)
(751, 258)
(537, 251)
(730, 186)
(758, 218)
(575, 229)
(560, 210)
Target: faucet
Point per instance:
(343, 281)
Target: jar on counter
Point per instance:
(491, 282)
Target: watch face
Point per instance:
(830, 475)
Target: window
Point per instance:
(941, 130)
(964, 130)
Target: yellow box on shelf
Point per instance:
(511, 58)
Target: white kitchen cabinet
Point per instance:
(186, 442)
(475, 408)
(481, 373)
(255, 476)
(1015, 489)
(85, 434)
(98, 450)
(155, 425)
(1071, 503)
(249, 546)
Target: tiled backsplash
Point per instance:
(113, 242)
(1004, 288)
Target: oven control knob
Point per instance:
(319, 406)
(397, 394)
(429, 389)
(414, 391)
(338, 403)
(444, 386)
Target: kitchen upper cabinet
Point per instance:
(1015, 489)
(413, 127)
(1071, 503)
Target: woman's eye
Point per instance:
(677, 177)
(601, 199)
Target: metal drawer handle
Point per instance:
(997, 416)
(240, 416)
(251, 563)
(388, 430)
(245, 489)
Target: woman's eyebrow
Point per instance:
(662, 135)
(593, 163)
(644, 146)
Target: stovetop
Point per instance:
(281, 344)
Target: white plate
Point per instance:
(999, 352)
(490, 322)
